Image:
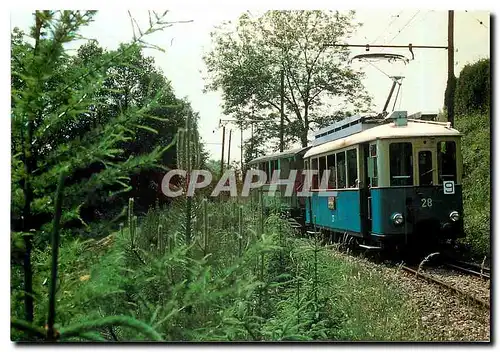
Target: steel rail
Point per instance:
(469, 271)
(478, 266)
(448, 286)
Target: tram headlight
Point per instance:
(397, 218)
(454, 216)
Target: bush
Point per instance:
(477, 180)
(472, 107)
(472, 92)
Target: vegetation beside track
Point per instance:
(241, 278)
(472, 103)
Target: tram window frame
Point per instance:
(352, 164)
(439, 156)
(266, 170)
(277, 166)
(285, 167)
(271, 168)
(400, 179)
(372, 166)
(426, 169)
(332, 180)
(321, 168)
(341, 182)
(314, 166)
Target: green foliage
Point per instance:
(192, 271)
(108, 117)
(89, 116)
(272, 288)
(249, 56)
(476, 144)
(472, 106)
(473, 90)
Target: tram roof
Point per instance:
(414, 128)
(284, 154)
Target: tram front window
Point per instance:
(447, 161)
(425, 169)
(401, 164)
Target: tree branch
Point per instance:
(294, 104)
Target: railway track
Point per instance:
(419, 274)
(470, 269)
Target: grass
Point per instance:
(367, 306)
(242, 278)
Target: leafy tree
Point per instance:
(133, 83)
(249, 57)
(51, 99)
(473, 88)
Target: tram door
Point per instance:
(425, 167)
(369, 180)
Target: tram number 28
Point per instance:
(426, 202)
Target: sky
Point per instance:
(185, 43)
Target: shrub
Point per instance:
(473, 92)
(477, 180)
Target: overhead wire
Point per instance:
(387, 27)
(398, 33)
(480, 22)
(403, 28)
(390, 41)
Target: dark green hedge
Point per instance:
(473, 88)
(472, 109)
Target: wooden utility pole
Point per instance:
(450, 87)
(222, 157)
(282, 115)
(229, 150)
(240, 124)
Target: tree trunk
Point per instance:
(28, 197)
(29, 166)
(303, 136)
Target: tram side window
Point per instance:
(352, 168)
(401, 164)
(372, 166)
(266, 170)
(332, 181)
(447, 161)
(271, 169)
(322, 167)
(375, 173)
(314, 166)
(341, 170)
(285, 166)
